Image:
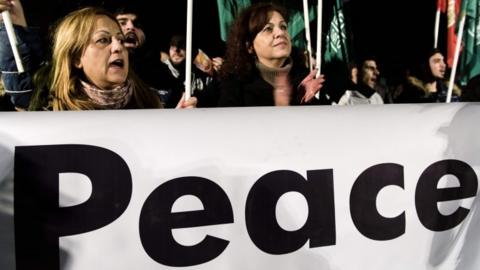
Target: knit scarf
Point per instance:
(269, 74)
(115, 98)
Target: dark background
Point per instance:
(398, 33)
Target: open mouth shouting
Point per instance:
(117, 64)
(131, 40)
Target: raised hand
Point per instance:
(190, 103)
(217, 63)
(311, 85)
(16, 11)
(6, 5)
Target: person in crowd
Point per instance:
(143, 57)
(175, 58)
(353, 70)
(472, 90)
(89, 67)
(261, 68)
(30, 42)
(363, 83)
(398, 80)
(427, 83)
(384, 90)
(204, 69)
(128, 20)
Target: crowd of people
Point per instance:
(100, 60)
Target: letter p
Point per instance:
(40, 221)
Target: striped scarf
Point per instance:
(115, 98)
(269, 74)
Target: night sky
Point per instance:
(397, 32)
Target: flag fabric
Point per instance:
(469, 65)
(227, 11)
(336, 40)
(453, 9)
(335, 57)
(296, 22)
(441, 8)
(442, 5)
(296, 26)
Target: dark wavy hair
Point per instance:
(238, 60)
(422, 68)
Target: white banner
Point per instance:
(363, 187)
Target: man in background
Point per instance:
(366, 83)
(144, 60)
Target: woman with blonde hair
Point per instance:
(89, 67)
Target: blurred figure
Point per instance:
(204, 70)
(143, 57)
(260, 67)
(427, 83)
(472, 90)
(352, 67)
(175, 58)
(31, 44)
(383, 89)
(364, 84)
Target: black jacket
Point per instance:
(255, 91)
(153, 72)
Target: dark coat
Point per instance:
(20, 85)
(414, 91)
(255, 91)
(148, 67)
(472, 90)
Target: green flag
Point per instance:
(296, 26)
(336, 40)
(227, 11)
(469, 65)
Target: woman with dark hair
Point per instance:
(427, 84)
(260, 67)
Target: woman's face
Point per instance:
(272, 44)
(105, 59)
